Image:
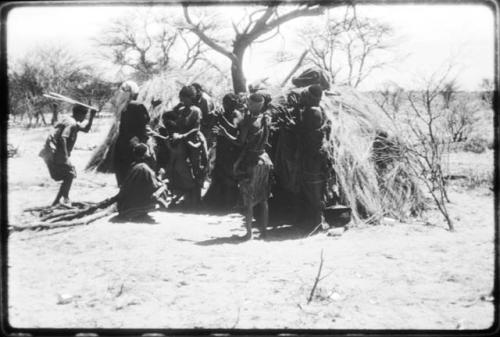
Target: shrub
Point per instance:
(475, 145)
(491, 144)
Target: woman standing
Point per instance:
(253, 166)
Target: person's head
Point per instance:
(312, 76)
(140, 152)
(267, 101)
(255, 103)
(187, 95)
(230, 102)
(312, 96)
(199, 90)
(131, 88)
(79, 112)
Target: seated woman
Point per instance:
(137, 192)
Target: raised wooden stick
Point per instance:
(59, 97)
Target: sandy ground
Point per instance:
(188, 271)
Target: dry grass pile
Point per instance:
(371, 171)
(367, 156)
(164, 87)
(101, 159)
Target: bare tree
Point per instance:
(133, 45)
(391, 99)
(487, 87)
(94, 90)
(295, 68)
(448, 92)
(255, 26)
(43, 69)
(430, 147)
(350, 48)
(460, 118)
(149, 44)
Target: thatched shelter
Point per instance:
(367, 157)
(365, 149)
(165, 87)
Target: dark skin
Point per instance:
(262, 208)
(66, 183)
(230, 123)
(312, 118)
(187, 102)
(195, 195)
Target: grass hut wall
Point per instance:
(365, 149)
(165, 87)
(367, 156)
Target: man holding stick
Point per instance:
(58, 146)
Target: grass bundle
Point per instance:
(366, 153)
(165, 87)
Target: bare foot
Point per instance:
(248, 236)
(65, 202)
(263, 234)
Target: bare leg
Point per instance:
(197, 171)
(263, 209)
(63, 190)
(66, 186)
(196, 197)
(59, 195)
(248, 222)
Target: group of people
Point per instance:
(173, 158)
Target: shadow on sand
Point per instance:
(279, 232)
(143, 219)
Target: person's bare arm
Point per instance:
(194, 144)
(194, 121)
(64, 145)
(87, 127)
(228, 123)
(238, 141)
(191, 131)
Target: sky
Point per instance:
(428, 36)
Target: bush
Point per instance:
(491, 144)
(12, 151)
(476, 145)
(477, 178)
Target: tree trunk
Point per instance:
(239, 80)
(55, 112)
(237, 75)
(42, 116)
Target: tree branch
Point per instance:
(261, 27)
(297, 66)
(210, 42)
(317, 278)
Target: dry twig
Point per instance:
(317, 278)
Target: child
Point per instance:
(57, 150)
